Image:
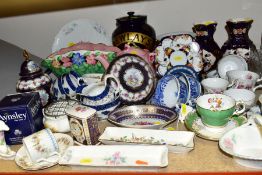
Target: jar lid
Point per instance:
(29, 68)
(58, 108)
(80, 111)
(131, 18)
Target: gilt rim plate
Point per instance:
(136, 77)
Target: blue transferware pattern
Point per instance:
(169, 92)
(194, 86)
(183, 69)
(65, 86)
(104, 109)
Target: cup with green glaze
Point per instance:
(216, 109)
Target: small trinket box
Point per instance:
(83, 123)
(22, 113)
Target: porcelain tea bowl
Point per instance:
(244, 95)
(170, 92)
(240, 79)
(214, 85)
(142, 116)
(216, 109)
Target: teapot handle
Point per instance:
(107, 76)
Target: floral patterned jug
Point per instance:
(239, 43)
(210, 50)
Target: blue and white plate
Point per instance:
(183, 69)
(142, 116)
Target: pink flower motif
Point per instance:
(66, 62)
(91, 59)
(228, 143)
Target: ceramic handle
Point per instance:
(240, 111)
(234, 82)
(50, 161)
(115, 79)
(257, 87)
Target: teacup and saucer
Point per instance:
(215, 114)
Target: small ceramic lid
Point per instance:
(58, 108)
(80, 111)
(29, 68)
(131, 18)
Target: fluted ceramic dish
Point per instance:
(244, 144)
(142, 116)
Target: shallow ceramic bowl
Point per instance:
(142, 116)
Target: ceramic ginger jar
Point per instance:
(134, 30)
(32, 78)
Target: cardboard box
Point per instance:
(22, 113)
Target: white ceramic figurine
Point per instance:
(5, 152)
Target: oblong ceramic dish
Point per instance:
(244, 144)
(116, 156)
(176, 141)
(142, 116)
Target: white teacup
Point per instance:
(42, 145)
(214, 85)
(244, 95)
(241, 79)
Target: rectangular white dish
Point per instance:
(116, 155)
(177, 141)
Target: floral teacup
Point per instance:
(214, 85)
(240, 79)
(41, 145)
(216, 109)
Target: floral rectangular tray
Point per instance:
(116, 155)
(177, 141)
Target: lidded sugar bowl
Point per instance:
(55, 117)
(134, 30)
(32, 78)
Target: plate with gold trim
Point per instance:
(136, 78)
(194, 123)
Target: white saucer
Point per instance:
(231, 62)
(24, 162)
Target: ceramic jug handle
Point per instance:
(107, 76)
(242, 108)
(257, 87)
